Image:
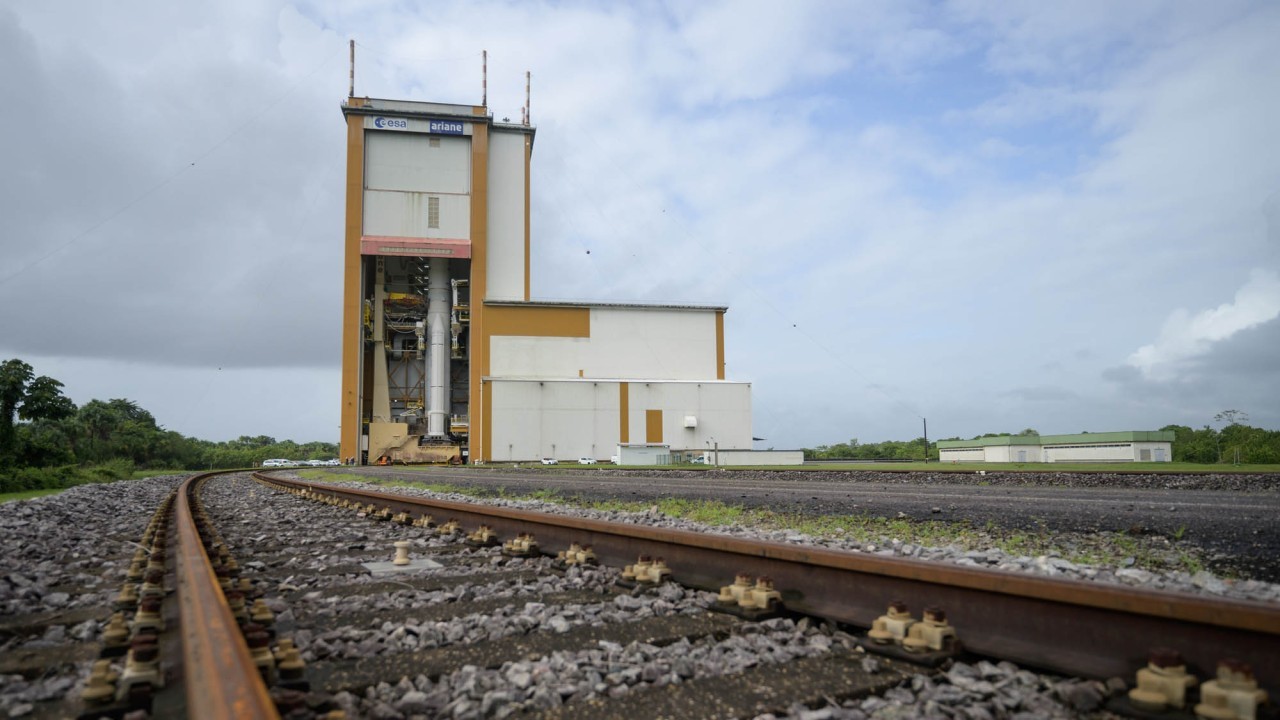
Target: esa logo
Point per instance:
(392, 123)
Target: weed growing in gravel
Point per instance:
(1098, 549)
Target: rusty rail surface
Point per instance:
(1072, 627)
(218, 672)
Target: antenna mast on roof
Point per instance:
(527, 115)
(484, 78)
(351, 89)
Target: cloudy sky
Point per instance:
(995, 215)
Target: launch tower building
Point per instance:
(445, 355)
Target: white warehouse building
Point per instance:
(1107, 447)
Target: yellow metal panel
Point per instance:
(719, 345)
(624, 412)
(349, 435)
(479, 401)
(653, 426)
(538, 321)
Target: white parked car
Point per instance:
(277, 462)
(613, 459)
(332, 462)
(549, 461)
(586, 461)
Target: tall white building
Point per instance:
(445, 354)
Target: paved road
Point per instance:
(1244, 527)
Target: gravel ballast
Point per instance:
(305, 556)
(1201, 582)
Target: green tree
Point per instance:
(27, 397)
(1232, 417)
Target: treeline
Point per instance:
(1234, 443)
(890, 450)
(47, 441)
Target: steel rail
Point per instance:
(221, 680)
(1072, 627)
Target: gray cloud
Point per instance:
(846, 173)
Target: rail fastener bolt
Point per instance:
(261, 614)
(523, 545)
(633, 573)
(402, 552)
(577, 554)
(402, 518)
(1234, 695)
(259, 642)
(484, 536)
(142, 668)
(235, 601)
(424, 521)
(731, 594)
(933, 632)
(100, 689)
(762, 597)
(251, 591)
(291, 666)
(128, 597)
(153, 584)
(115, 636)
(1163, 683)
(893, 626)
(147, 619)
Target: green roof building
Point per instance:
(1106, 447)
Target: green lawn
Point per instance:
(1152, 467)
(27, 494)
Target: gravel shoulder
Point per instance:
(1226, 522)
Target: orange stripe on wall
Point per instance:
(624, 413)
(537, 321)
(352, 332)
(477, 398)
(719, 345)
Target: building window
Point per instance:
(433, 142)
(433, 212)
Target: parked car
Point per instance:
(699, 460)
(613, 459)
(331, 462)
(277, 462)
(586, 461)
(549, 461)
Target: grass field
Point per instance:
(27, 494)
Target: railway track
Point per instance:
(487, 622)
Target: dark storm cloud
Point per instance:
(1241, 372)
(184, 218)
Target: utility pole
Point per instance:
(926, 439)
